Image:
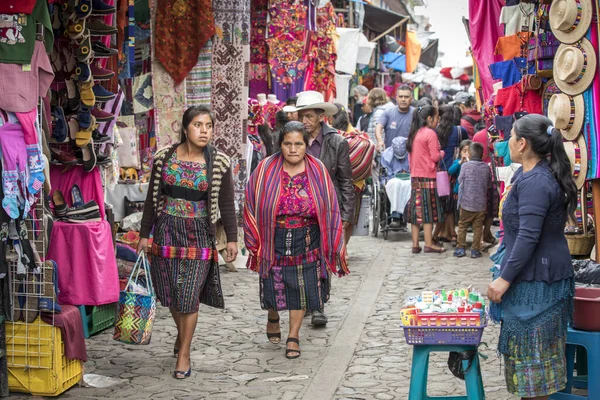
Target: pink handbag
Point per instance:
(443, 183)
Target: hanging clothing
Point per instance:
(181, 29)
(510, 71)
(14, 170)
(21, 87)
(516, 17)
(18, 34)
(513, 99)
(513, 46)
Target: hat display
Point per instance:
(570, 19)
(550, 89)
(578, 157)
(567, 113)
(311, 100)
(575, 67)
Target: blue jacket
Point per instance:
(454, 171)
(534, 218)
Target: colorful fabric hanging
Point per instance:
(184, 27)
(198, 81)
(230, 57)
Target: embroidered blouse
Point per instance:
(296, 198)
(185, 179)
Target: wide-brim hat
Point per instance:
(578, 157)
(567, 113)
(570, 19)
(575, 67)
(311, 100)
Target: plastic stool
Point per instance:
(591, 342)
(420, 368)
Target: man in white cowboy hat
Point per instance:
(332, 149)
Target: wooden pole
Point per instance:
(596, 200)
(404, 21)
(351, 14)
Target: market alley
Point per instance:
(361, 354)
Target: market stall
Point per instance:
(543, 60)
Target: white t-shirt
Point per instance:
(515, 17)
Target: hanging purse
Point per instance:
(442, 180)
(137, 306)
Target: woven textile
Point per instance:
(169, 99)
(199, 79)
(230, 59)
(184, 27)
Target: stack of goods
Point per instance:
(79, 101)
(460, 308)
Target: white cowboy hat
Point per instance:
(578, 157)
(311, 100)
(575, 67)
(289, 109)
(570, 19)
(567, 113)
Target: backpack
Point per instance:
(477, 125)
(362, 151)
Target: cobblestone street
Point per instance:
(361, 354)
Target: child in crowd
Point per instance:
(454, 170)
(474, 181)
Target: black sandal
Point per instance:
(175, 351)
(274, 335)
(288, 351)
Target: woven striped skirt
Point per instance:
(295, 282)
(183, 252)
(425, 205)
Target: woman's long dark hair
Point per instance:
(446, 124)
(424, 110)
(340, 120)
(457, 114)
(534, 129)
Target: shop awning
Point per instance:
(429, 55)
(399, 7)
(379, 22)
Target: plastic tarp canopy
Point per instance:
(394, 61)
(378, 20)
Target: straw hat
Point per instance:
(550, 89)
(311, 100)
(570, 19)
(575, 67)
(577, 153)
(567, 114)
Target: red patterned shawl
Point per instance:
(262, 196)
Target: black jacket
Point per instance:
(336, 157)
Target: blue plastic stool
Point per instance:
(591, 342)
(420, 368)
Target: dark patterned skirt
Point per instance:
(295, 282)
(493, 202)
(425, 205)
(450, 203)
(183, 253)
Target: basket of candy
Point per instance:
(444, 317)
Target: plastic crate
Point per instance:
(95, 319)
(36, 360)
(417, 335)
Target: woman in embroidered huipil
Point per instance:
(190, 184)
(533, 290)
(293, 230)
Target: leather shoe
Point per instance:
(86, 93)
(83, 72)
(83, 9)
(102, 51)
(101, 8)
(101, 74)
(319, 319)
(101, 115)
(99, 28)
(102, 94)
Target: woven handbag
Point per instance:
(137, 306)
